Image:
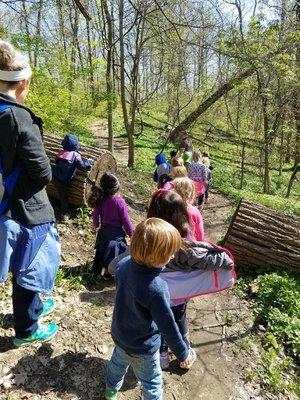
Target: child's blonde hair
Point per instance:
(154, 242)
(185, 188)
(178, 172)
(197, 156)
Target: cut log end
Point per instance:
(259, 236)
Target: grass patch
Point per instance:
(75, 278)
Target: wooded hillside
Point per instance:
(228, 72)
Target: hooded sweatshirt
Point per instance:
(68, 160)
(162, 167)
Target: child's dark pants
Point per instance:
(27, 307)
(182, 323)
(63, 192)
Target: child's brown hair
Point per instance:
(154, 242)
(169, 206)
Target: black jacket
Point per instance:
(21, 142)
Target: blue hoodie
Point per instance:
(162, 166)
(160, 159)
(70, 142)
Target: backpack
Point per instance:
(7, 184)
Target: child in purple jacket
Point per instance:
(111, 219)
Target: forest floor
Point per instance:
(72, 365)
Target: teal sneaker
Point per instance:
(48, 307)
(44, 333)
(110, 394)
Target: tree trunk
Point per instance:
(128, 126)
(225, 88)
(296, 106)
(109, 76)
(25, 13)
(37, 33)
(260, 236)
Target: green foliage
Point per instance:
(276, 305)
(83, 216)
(74, 278)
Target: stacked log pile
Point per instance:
(81, 185)
(261, 236)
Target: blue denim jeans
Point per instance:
(145, 367)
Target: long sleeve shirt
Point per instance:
(142, 312)
(196, 223)
(112, 210)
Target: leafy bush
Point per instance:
(278, 306)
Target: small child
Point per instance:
(169, 206)
(177, 172)
(142, 312)
(165, 182)
(209, 168)
(162, 167)
(186, 189)
(173, 154)
(64, 170)
(198, 174)
(111, 219)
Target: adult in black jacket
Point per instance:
(29, 243)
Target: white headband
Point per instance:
(15, 76)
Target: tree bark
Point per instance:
(296, 106)
(128, 126)
(109, 75)
(260, 236)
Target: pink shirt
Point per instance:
(196, 222)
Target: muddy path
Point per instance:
(72, 365)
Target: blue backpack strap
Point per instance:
(10, 181)
(3, 107)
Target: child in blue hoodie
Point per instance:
(162, 168)
(64, 170)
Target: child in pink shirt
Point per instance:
(186, 189)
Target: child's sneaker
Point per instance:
(191, 359)
(44, 333)
(110, 394)
(48, 307)
(164, 360)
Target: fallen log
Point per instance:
(260, 236)
(81, 185)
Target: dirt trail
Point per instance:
(72, 366)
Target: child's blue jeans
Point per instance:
(146, 368)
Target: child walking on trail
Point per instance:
(29, 242)
(209, 168)
(64, 170)
(169, 205)
(198, 174)
(163, 167)
(186, 189)
(111, 219)
(142, 312)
